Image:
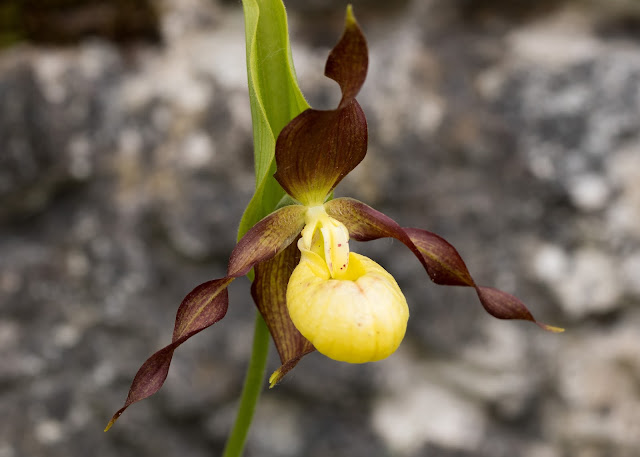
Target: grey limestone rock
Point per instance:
(511, 132)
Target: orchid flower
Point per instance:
(313, 292)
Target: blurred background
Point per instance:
(509, 127)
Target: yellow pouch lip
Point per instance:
(359, 319)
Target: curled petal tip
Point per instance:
(274, 378)
(351, 19)
(551, 328)
(111, 422)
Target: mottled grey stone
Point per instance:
(512, 132)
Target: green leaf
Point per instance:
(274, 96)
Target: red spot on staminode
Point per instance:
(339, 245)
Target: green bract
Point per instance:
(313, 152)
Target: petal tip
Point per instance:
(551, 328)
(350, 20)
(111, 422)
(275, 377)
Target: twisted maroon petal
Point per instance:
(208, 302)
(319, 148)
(266, 239)
(348, 61)
(439, 258)
(269, 291)
(203, 307)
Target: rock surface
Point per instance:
(510, 131)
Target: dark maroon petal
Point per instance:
(444, 264)
(269, 291)
(348, 61)
(208, 302)
(450, 266)
(319, 148)
(265, 239)
(505, 306)
(441, 260)
(365, 223)
(287, 366)
(203, 307)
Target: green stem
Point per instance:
(251, 391)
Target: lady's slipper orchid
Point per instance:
(312, 291)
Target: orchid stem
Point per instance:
(251, 390)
